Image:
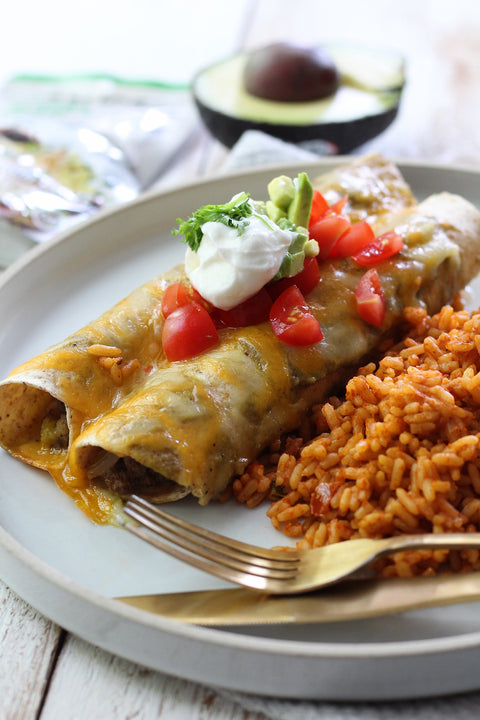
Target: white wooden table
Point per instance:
(45, 672)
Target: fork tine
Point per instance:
(212, 568)
(208, 538)
(198, 542)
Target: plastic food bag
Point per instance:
(70, 146)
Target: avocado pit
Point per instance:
(285, 72)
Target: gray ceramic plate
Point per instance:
(70, 569)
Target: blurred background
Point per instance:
(126, 52)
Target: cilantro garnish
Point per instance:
(232, 214)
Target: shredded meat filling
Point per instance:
(128, 477)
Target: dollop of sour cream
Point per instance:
(229, 267)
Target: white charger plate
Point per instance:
(70, 569)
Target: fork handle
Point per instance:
(445, 541)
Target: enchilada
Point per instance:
(195, 424)
(45, 402)
(168, 429)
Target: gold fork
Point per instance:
(278, 572)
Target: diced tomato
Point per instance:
(337, 207)
(321, 497)
(381, 248)
(188, 331)
(353, 240)
(252, 311)
(177, 295)
(327, 231)
(319, 207)
(370, 298)
(305, 280)
(292, 321)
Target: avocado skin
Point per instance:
(345, 136)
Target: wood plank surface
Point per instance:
(29, 647)
(105, 686)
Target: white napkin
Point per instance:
(255, 149)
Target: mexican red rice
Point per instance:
(400, 453)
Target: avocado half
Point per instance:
(364, 105)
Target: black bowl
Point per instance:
(365, 104)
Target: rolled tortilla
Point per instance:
(193, 425)
(374, 186)
(45, 402)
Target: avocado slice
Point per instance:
(274, 212)
(291, 199)
(293, 261)
(281, 191)
(301, 205)
(363, 106)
